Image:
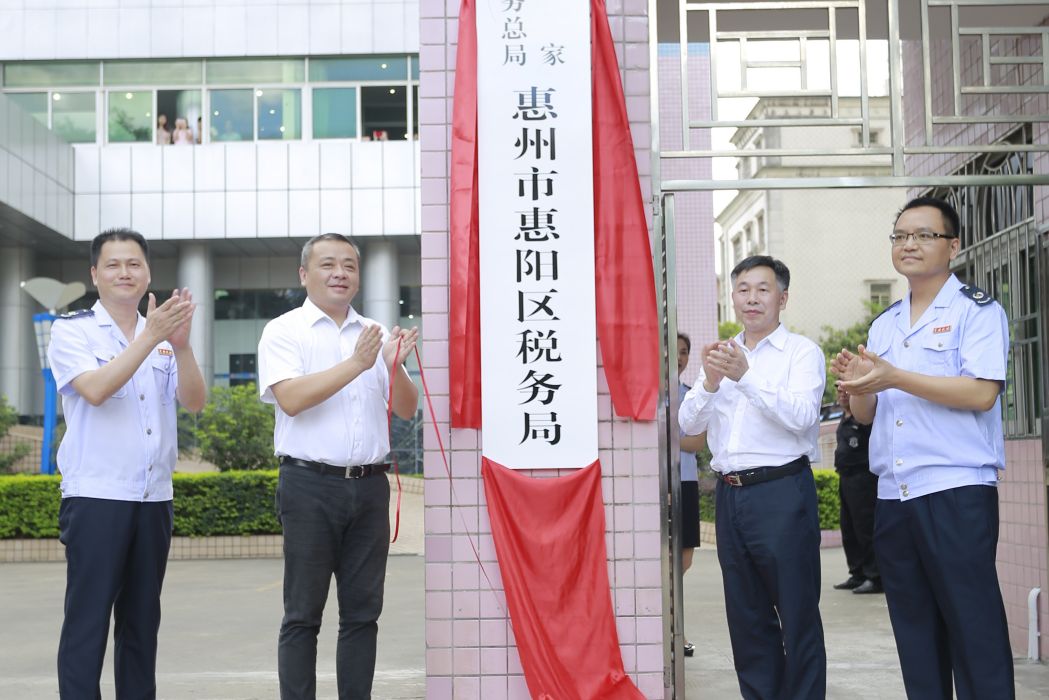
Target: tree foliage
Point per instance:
(18, 450)
(834, 339)
(235, 430)
(728, 329)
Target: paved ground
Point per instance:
(218, 638)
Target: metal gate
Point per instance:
(973, 127)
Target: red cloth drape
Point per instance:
(625, 285)
(627, 326)
(550, 541)
(464, 319)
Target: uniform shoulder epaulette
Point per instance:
(895, 303)
(977, 295)
(70, 315)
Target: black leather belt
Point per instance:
(357, 471)
(759, 475)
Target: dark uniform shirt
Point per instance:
(851, 456)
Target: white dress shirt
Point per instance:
(125, 449)
(772, 415)
(350, 427)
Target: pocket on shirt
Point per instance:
(162, 369)
(104, 356)
(940, 355)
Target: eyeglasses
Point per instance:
(899, 238)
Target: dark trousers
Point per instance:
(331, 526)
(116, 556)
(858, 492)
(768, 539)
(936, 555)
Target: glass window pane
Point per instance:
(231, 115)
(384, 112)
(335, 113)
(415, 67)
(73, 116)
(415, 112)
(359, 68)
(152, 72)
(254, 70)
(280, 114)
(175, 107)
(35, 103)
(130, 116)
(51, 74)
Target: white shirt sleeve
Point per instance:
(693, 415)
(280, 358)
(795, 406)
(69, 354)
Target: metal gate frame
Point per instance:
(663, 202)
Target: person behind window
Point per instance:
(183, 135)
(163, 135)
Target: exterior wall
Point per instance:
(469, 646)
(36, 169)
(1023, 544)
(835, 243)
(248, 190)
(39, 30)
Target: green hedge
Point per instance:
(826, 491)
(230, 503)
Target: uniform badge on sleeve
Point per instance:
(166, 352)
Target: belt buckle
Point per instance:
(354, 472)
(733, 480)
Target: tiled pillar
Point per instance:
(470, 651)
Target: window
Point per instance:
(280, 114)
(334, 113)
(130, 117)
(231, 115)
(358, 68)
(384, 112)
(35, 103)
(255, 70)
(51, 74)
(152, 72)
(173, 105)
(880, 293)
(73, 116)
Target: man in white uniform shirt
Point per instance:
(758, 399)
(119, 374)
(321, 365)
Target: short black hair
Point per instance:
(688, 341)
(307, 249)
(950, 215)
(117, 234)
(777, 267)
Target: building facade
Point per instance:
(227, 134)
(832, 240)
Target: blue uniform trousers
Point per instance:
(936, 554)
(116, 556)
(768, 539)
(341, 527)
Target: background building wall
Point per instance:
(46, 30)
(470, 651)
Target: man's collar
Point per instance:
(777, 338)
(947, 292)
(314, 313)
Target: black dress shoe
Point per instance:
(871, 585)
(690, 648)
(850, 583)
